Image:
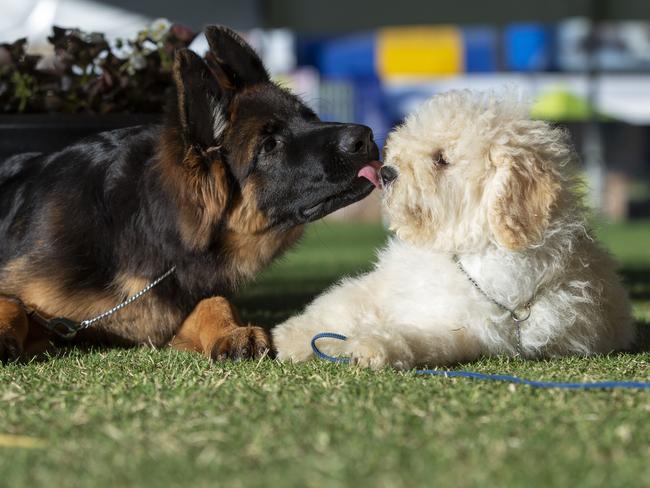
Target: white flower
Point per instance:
(159, 28)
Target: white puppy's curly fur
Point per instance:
(481, 181)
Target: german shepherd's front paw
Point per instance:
(11, 347)
(241, 343)
(13, 329)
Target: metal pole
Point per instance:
(592, 146)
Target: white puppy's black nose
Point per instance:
(388, 174)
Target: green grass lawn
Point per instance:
(163, 418)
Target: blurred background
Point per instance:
(584, 63)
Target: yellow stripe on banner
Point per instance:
(21, 441)
(420, 51)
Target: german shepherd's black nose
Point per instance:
(355, 139)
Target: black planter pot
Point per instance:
(51, 132)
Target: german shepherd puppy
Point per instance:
(215, 193)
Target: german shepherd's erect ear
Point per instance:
(232, 60)
(200, 100)
(204, 91)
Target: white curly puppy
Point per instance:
(491, 253)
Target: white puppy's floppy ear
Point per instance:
(521, 198)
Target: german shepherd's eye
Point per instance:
(270, 145)
(439, 159)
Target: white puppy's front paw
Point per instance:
(292, 342)
(367, 352)
(376, 352)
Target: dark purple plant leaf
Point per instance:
(86, 75)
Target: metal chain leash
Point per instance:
(87, 323)
(68, 328)
(513, 314)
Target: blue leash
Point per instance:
(599, 385)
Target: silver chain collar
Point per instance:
(67, 328)
(513, 312)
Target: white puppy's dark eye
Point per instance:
(439, 159)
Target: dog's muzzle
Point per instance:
(388, 174)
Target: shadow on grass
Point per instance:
(642, 343)
(273, 301)
(637, 281)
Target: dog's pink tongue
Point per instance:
(370, 172)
